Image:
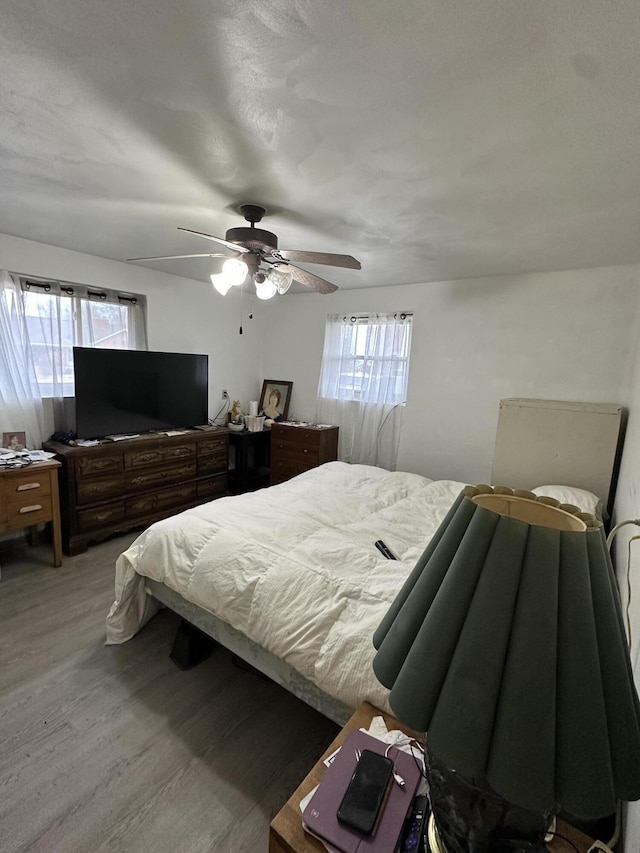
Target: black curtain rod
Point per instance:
(45, 285)
(68, 289)
(397, 316)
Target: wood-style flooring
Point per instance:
(113, 748)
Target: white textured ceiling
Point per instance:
(432, 139)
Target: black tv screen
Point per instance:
(132, 391)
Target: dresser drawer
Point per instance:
(214, 488)
(99, 517)
(296, 435)
(143, 458)
(146, 504)
(99, 488)
(215, 462)
(303, 454)
(27, 510)
(28, 486)
(215, 446)
(284, 469)
(88, 466)
(149, 479)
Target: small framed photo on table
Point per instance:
(275, 399)
(14, 440)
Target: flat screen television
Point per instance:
(120, 392)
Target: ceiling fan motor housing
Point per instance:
(252, 238)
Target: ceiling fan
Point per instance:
(254, 251)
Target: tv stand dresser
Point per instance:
(116, 486)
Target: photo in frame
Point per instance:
(275, 399)
(14, 440)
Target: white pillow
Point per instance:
(585, 500)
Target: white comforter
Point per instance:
(294, 567)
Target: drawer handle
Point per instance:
(102, 516)
(305, 450)
(25, 486)
(33, 508)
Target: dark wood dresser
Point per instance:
(116, 486)
(295, 449)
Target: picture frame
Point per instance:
(14, 440)
(280, 404)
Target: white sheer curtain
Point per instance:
(41, 321)
(363, 384)
(22, 409)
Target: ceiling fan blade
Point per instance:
(309, 279)
(170, 257)
(235, 246)
(326, 258)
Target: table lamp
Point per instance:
(506, 647)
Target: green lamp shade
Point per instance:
(506, 646)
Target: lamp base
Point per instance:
(471, 818)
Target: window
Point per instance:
(366, 358)
(363, 384)
(58, 317)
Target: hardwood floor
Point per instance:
(113, 748)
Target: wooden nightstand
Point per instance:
(28, 497)
(286, 834)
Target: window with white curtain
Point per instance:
(363, 384)
(366, 358)
(40, 323)
(61, 316)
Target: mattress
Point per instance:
(293, 567)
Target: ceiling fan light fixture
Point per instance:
(282, 280)
(235, 271)
(221, 283)
(265, 288)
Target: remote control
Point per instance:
(384, 549)
(414, 827)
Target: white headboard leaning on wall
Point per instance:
(545, 442)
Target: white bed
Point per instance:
(294, 569)
(289, 577)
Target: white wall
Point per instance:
(560, 335)
(183, 315)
